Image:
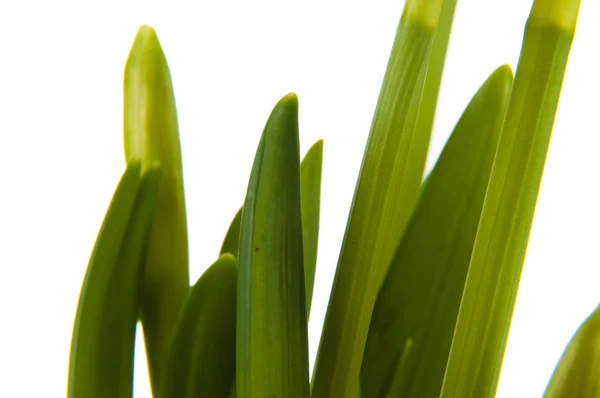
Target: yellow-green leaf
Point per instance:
(493, 278)
(310, 193)
(152, 137)
(431, 88)
(576, 375)
(386, 193)
(415, 312)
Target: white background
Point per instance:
(61, 68)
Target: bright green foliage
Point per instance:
(272, 335)
(433, 79)
(428, 272)
(202, 355)
(577, 373)
(152, 137)
(491, 287)
(101, 363)
(386, 193)
(419, 299)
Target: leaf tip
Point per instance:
(290, 100)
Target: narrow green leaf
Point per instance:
(310, 191)
(232, 238)
(431, 89)
(272, 336)
(576, 375)
(310, 181)
(102, 346)
(493, 278)
(386, 193)
(420, 297)
(202, 355)
(152, 137)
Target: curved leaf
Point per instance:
(420, 297)
(310, 180)
(202, 356)
(576, 375)
(272, 336)
(152, 137)
(492, 281)
(102, 347)
(386, 193)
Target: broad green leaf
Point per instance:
(576, 375)
(152, 137)
(493, 278)
(102, 346)
(272, 336)
(310, 181)
(202, 355)
(418, 302)
(386, 193)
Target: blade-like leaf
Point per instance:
(431, 89)
(576, 375)
(272, 336)
(310, 191)
(420, 297)
(152, 137)
(232, 238)
(310, 181)
(202, 355)
(102, 347)
(493, 278)
(386, 193)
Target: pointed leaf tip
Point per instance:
(151, 136)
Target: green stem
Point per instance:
(493, 278)
(386, 193)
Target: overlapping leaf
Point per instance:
(102, 347)
(415, 313)
(493, 278)
(152, 137)
(202, 356)
(232, 237)
(272, 336)
(310, 181)
(386, 193)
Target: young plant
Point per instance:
(428, 271)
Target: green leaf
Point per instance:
(102, 346)
(431, 89)
(576, 375)
(418, 303)
(493, 278)
(202, 356)
(232, 238)
(152, 137)
(310, 191)
(310, 181)
(272, 336)
(386, 193)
